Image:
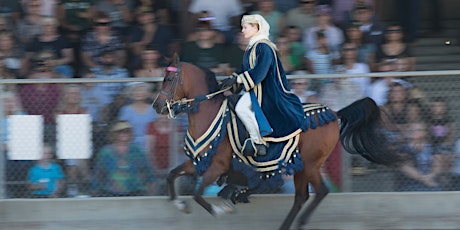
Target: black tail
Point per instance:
(362, 132)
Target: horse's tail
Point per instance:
(362, 132)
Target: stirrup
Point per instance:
(252, 149)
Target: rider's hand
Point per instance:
(229, 82)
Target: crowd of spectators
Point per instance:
(113, 39)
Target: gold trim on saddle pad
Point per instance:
(202, 142)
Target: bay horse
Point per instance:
(191, 89)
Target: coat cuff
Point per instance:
(246, 79)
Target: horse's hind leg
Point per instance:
(321, 191)
(181, 170)
(301, 196)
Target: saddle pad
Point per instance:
(282, 156)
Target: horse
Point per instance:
(194, 90)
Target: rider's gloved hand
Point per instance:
(229, 82)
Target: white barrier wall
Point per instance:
(338, 211)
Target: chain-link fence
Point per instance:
(92, 137)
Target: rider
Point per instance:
(267, 108)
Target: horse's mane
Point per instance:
(210, 78)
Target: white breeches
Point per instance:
(245, 112)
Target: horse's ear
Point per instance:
(175, 60)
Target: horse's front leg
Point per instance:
(181, 170)
(209, 177)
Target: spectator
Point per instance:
(204, 51)
(294, 36)
(442, 126)
(226, 13)
(452, 176)
(13, 53)
(15, 170)
(120, 13)
(47, 7)
(205, 19)
(351, 65)
(321, 60)
(289, 61)
(75, 21)
(153, 5)
(395, 50)
(109, 116)
(101, 39)
(46, 178)
(122, 168)
(396, 106)
(11, 11)
(275, 19)
(302, 16)
(365, 50)
(284, 6)
(50, 40)
(92, 101)
(423, 166)
(371, 28)
(161, 135)
(323, 23)
(147, 32)
(29, 27)
(300, 87)
(342, 11)
(417, 110)
(90, 96)
(138, 112)
(6, 74)
(41, 98)
(150, 63)
(107, 69)
(234, 52)
(344, 91)
(75, 18)
(11, 106)
(77, 169)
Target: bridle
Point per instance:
(184, 104)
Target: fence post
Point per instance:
(2, 150)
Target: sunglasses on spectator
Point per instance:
(307, 2)
(394, 31)
(102, 23)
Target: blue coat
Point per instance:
(278, 111)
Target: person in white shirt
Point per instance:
(222, 12)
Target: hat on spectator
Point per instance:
(121, 125)
(323, 10)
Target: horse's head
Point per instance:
(182, 81)
(171, 88)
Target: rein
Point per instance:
(184, 104)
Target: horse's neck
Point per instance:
(200, 121)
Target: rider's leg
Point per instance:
(246, 114)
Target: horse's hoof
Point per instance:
(182, 205)
(224, 208)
